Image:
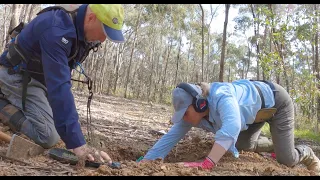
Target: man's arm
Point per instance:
(168, 141)
(54, 53)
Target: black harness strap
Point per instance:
(271, 85)
(263, 105)
(25, 81)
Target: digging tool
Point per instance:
(139, 159)
(20, 148)
(68, 157)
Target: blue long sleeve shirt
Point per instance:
(50, 37)
(232, 106)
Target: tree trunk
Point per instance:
(110, 73)
(316, 64)
(139, 84)
(229, 73)
(103, 68)
(163, 82)
(249, 60)
(15, 14)
(178, 57)
(117, 68)
(209, 44)
(158, 72)
(189, 57)
(224, 43)
(27, 13)
(22, 12)
(152, 69)
(263, 47)
(272, 29)
(208, 59)
(256, 33)
(194, 73)
(4, 40)
(132, 50)
(33, 8)
(202, 42)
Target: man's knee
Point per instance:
(46, 136)
(42, 133)
(49, 140)
(10, 115)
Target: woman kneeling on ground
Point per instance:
(235, 112)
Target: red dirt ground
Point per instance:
(125, 129)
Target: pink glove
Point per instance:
(205, 164)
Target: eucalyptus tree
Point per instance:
(227, 7)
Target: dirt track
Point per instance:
(125, 129)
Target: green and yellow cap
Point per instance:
(111, 16)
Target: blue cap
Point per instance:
(113, 35)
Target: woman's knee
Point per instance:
(288, 161)
(288, 156)
(245, 146)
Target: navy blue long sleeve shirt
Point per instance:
(50, 37)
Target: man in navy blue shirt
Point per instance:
(48, 48)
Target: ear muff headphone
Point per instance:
(199, 102)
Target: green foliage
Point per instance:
(307, 134)
(298, 133)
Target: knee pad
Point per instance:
(10, 115)
(264, 145)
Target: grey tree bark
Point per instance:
(224, 43)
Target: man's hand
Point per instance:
(205, 164)
(92, 154)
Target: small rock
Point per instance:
(163, 167)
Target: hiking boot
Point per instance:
(10, 115)
(308, 158)
(264, 145)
